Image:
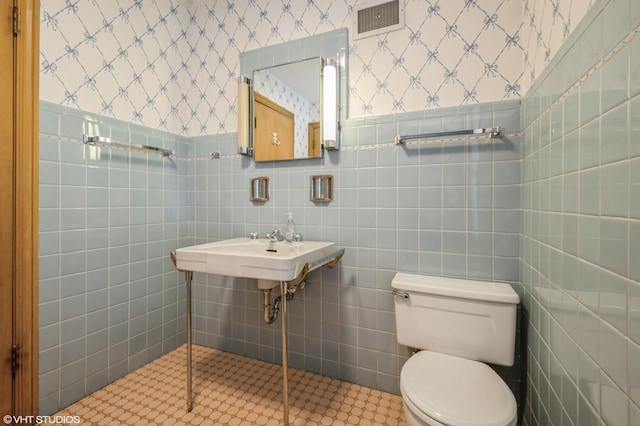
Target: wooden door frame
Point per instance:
(7, 206)
(313, 150)
(26, 158)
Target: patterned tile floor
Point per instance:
(230, 389)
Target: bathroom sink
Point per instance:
(269, 262)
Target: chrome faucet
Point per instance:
(275, 236)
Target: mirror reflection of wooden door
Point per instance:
(314, 139)
(19, 53)
(273, 133)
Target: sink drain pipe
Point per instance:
(269, 311)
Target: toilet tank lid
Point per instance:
(456, 287)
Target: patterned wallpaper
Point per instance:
(449, 53)
(129, 59)
(173, 65)
(547, 24)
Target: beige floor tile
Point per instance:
(230, 389)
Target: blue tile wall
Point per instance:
(109, 295)
(579, 244)
(551, 207)
(110, 299)
(429, 207)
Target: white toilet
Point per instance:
(457, 324)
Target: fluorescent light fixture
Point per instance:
(330, 104)
(244, 114)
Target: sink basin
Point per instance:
(262, 259)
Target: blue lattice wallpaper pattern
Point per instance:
(163, 65)
(160, 64)
(547, 24)
(450, 53)
(125, 59)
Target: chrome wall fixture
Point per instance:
(260, 189)
(322, 188)
(494, 132)
(104, 141)
(101, 141)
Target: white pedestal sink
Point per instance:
(271, 263)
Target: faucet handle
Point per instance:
(297, 237)
(275, 235)
(253, 236)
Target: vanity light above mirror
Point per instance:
(292, 97)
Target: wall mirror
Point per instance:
(286, 111)
(288, 82)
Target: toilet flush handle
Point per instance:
(405, 296)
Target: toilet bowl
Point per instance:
(439, 389)
(457, 326)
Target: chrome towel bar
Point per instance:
(104, 141)
(494, 132)
(108, 142)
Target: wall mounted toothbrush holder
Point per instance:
(322, 188)
(260, 189)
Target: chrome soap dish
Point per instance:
(322, 188)
(260, 189)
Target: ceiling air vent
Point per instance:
(377, 17)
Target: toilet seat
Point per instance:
(455, 391)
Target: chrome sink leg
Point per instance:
(189, 277)
(285, 382)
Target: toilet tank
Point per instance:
(470, 319)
